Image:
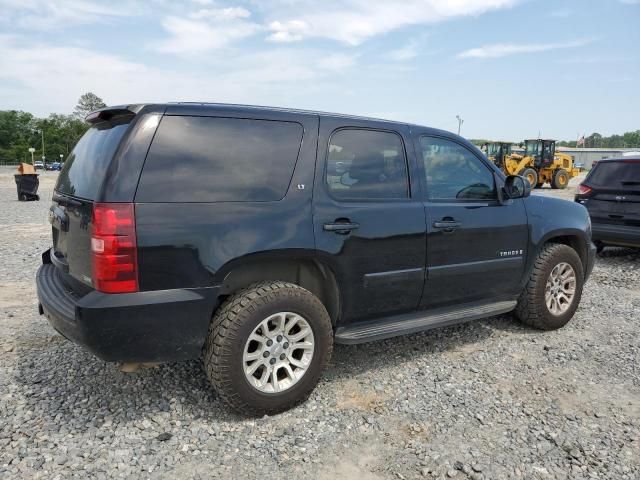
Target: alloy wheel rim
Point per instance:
(560, 289)
(278, 352)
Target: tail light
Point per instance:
(584, 189)
(113, 248)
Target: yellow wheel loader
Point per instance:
(541, 164)
(497, 152)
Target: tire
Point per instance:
(599, 247)
(532, 308)
(227, 344)
(560, 179)
(531, 175)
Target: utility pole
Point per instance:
(460, 122)
(42, 132)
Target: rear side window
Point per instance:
(616, 174)
(366, 164)
(85, 167)
(207, 159)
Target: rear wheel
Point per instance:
(531, 175)
(267, 347)
(553, 292)
(560, 179)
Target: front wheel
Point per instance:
(531, 175)
(553, 292)
(267, 347)
(560, 179)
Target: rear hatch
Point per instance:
(615, 197)
(77, 189)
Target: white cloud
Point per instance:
(405, 53)
(279, 76)
(189, 36)
(291, 31)
(59, 14)
(354, 21)
(229, 13)
(505, 49)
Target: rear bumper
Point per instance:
(623, 235)
(155, 326)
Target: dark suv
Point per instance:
(611, 193)
(258, 237)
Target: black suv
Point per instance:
(258, 237)
(611, 193)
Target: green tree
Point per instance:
(87, 103)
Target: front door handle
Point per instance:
(341, 228)
(447, 226)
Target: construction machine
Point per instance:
(540, 164)
(497, 152)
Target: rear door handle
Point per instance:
(341, 228)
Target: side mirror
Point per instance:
(516, 186)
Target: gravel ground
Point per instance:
(486, 400)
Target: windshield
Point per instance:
(85, 167)
(532, 148)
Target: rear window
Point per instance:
(206, 159)
(616, 174)
(85, 167)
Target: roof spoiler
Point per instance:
(108, 113)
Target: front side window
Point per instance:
(366, 164)
(454, 173)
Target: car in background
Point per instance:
(38, 165)
(53, 167)
(611, 194)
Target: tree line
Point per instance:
(595, 140)
(20, 131)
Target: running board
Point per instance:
(418, 321)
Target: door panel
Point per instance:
(375, 246)
(476, 247)
(482, 259)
